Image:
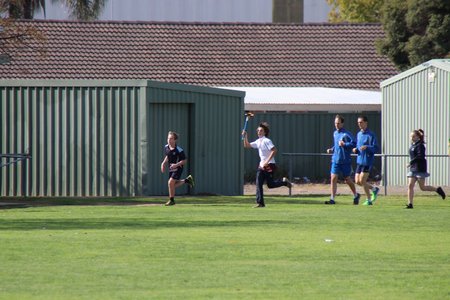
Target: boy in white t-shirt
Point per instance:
(267, 166)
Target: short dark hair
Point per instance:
(341, 118)
(364, 118)
(265, 126)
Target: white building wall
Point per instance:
(316, 11)
(257, 11)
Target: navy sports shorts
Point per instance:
(176, 174)
(362, 169)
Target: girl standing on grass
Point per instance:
(418, 167)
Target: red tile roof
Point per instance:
(211, 54)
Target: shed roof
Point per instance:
(309, 99)
(443, 64)
(211, 54)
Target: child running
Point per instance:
(176, 158)
(418, 167)
(267, 166)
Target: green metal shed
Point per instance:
(417, 98)
(106, 137)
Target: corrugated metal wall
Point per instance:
(304, 133)
(413, 102)
(165, 117)
(83, 137)
(212, 137)
(106, 138)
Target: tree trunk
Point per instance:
(28, 9)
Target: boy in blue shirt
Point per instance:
(341, 162)
(366, 147)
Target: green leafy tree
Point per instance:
(23, 9)
(84, 9)
(355, 11)
(415, 31)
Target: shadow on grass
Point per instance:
(250, 200)
(127, 224)
(195, 200)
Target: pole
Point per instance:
(385, 174)
(290, 174)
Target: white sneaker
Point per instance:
(288, 183)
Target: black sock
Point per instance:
(172, 199)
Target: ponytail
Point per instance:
(421, 134)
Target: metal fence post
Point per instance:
(24, 178)
(290, 174)
(385, 173)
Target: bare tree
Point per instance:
(15, 36)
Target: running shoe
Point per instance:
(441, 192)
(170, 203)
(375, 193)
(190, 181)
(356, 199)
(288, 183)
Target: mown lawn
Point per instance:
(221, 248)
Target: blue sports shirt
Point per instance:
(366, 138)
(342, 155)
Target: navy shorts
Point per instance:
(176, 174)
(362, 169)
(344, 169)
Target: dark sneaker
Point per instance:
(356, 199)
(190, 181)
(375, 193)
(259, 206)
(288, 183)
(170, 203)
(409, 206)
(441, 192)
(330, 202)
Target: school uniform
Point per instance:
(174, 156)
(418, 163)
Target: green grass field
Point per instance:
(221, 248)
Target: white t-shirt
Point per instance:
(264, 146)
